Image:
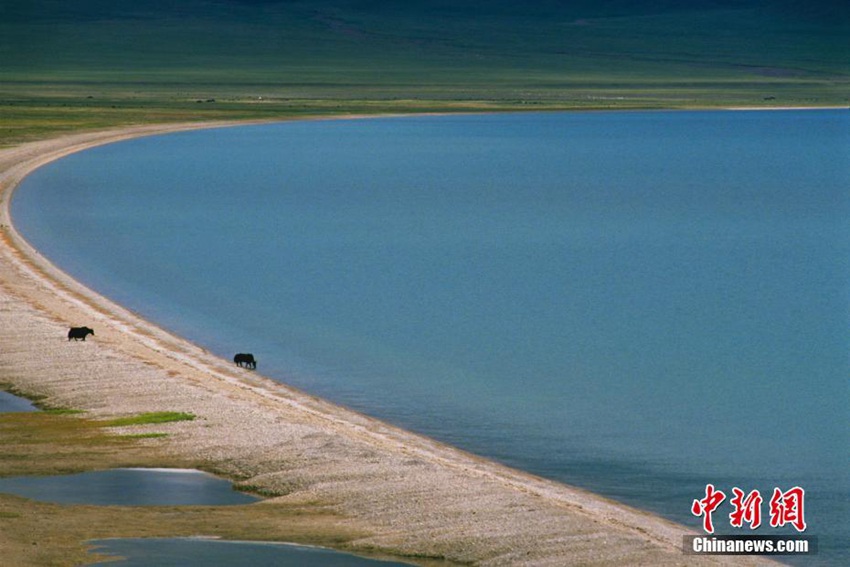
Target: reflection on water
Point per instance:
(192, 552)
(10, 403)
(129, 487)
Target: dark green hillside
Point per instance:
(153, 59)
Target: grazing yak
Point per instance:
(79, 333)
(246, 360)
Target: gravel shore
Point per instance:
(413, 496)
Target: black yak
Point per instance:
(245, 359)
(79, 333)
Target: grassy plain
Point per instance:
(93, 64)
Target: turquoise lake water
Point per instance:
(635, 303)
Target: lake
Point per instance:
(638, 303)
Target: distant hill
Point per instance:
(70, 64)
(423, 41)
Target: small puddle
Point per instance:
(11, 403)
(129, 487)
(205, 552)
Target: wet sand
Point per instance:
(413, 496)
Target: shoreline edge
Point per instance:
(413, 496)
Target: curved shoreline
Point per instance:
(414, 496)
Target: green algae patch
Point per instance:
(151, 418)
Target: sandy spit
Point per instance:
(411, 495)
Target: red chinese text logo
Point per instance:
(785, 508)
(746, 509)
(707, 505)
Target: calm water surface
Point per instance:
(129, 487)
(636, 303)
(191, 552)
(12, 403)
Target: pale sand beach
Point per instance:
(411, 496)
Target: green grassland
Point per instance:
(99, 63)
(151, 418)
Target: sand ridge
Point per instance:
(413, 496)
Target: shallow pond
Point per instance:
(189, 552)
(12, 403)
(129, 487)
